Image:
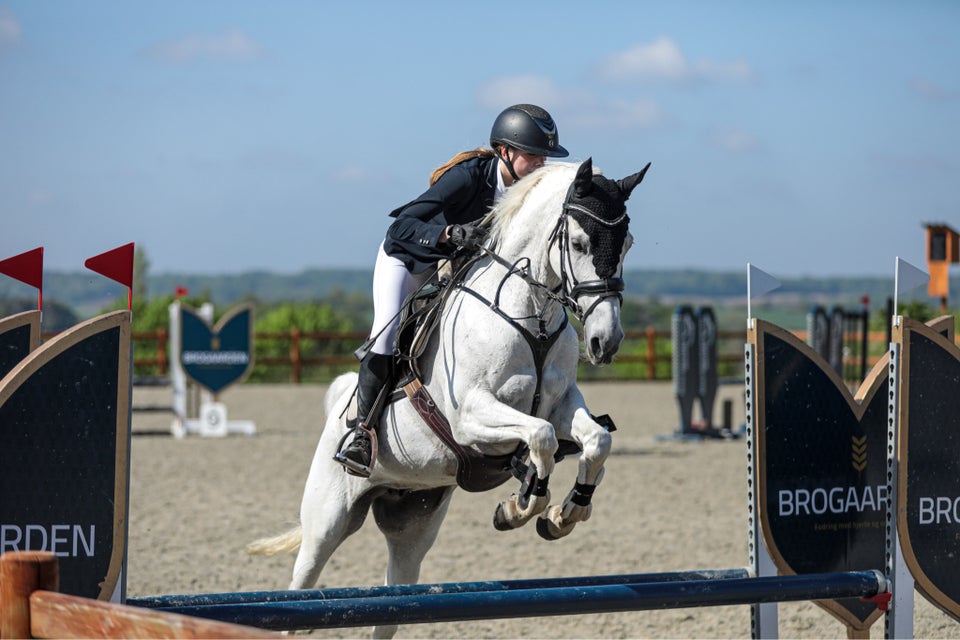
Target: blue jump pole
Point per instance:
(520, 603)
(206, 599)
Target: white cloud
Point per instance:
(231, 45)
(734, 140)
(662, 60)
(618, 114)
(579, 107)
(519, 89)
(10, 30)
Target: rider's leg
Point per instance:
(376, 372)
(392, 282)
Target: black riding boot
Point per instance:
(376, 372)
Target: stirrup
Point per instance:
(353, 467)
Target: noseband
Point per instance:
(570, 289)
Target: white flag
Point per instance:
(759, 282)
(907, 277)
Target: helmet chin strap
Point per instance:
(507, 161)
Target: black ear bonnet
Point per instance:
(598, 204)
(607, 227)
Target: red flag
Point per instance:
(180, 292)
(26, 267)
(116, 264)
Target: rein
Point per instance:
(568, 292)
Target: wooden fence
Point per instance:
(646, 354)
(30, 607)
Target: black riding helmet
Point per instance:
(528, 128)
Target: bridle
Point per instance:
(569, 288)
(569, 291)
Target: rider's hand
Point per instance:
(468, 236)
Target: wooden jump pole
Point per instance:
(21, 574)
(30, 607)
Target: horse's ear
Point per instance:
(627, 184)
(583, 183)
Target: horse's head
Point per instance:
(593, 237)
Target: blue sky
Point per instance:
(808, 138)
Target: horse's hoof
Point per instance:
(548, 529)
(543, 528)
(500, 522)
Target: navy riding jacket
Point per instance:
(463, 194)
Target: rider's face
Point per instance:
(523, 163)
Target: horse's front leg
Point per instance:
(484, 420)
(595, 441)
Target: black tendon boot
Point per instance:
(376, 373)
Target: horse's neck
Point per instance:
(525, 243)
(528, 238)
(514, 294)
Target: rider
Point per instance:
(429, 229)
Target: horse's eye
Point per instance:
(578, 245)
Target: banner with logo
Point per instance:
(928, 520)
(216, 357)
(64, 443)
(821, 455)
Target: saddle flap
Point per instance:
(475, 471)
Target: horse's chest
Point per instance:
(518, 390)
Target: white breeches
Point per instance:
(392, 283)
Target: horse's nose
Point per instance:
(602, 351)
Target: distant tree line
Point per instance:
(339, 301)
(86, 293)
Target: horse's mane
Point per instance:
(504, 212)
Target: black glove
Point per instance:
(468, 236)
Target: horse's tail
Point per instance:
(285, 542)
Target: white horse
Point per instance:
(501, 367)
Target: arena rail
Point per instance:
(654, 353)
(30, 607)
(429, 607)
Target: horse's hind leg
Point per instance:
(333, 507)
(410, 521)
(326, 523)
(324, 529)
